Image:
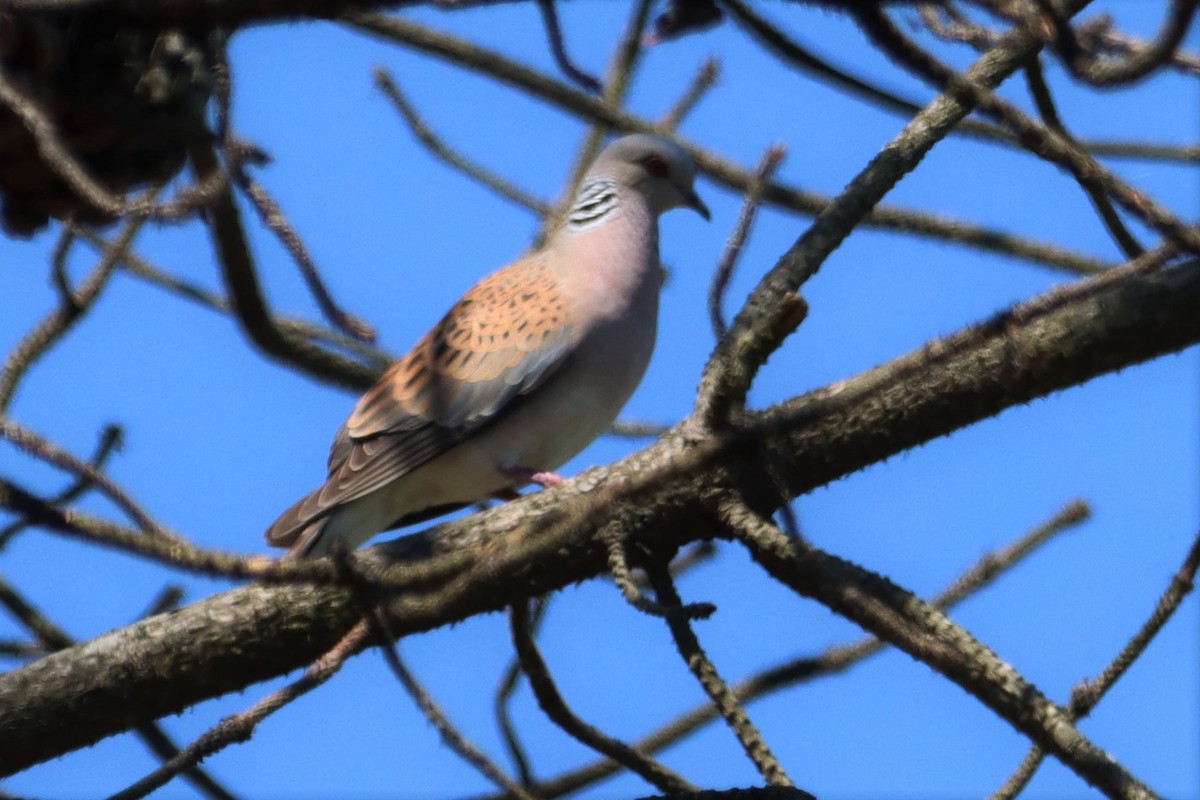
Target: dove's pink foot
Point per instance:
(523, 475)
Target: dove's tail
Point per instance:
(300, 527)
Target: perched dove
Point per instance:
(529, 367)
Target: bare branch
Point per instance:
(1049, 113)
(614, 541)
(763, 322)
(47, 451)
(1137, 65)
(53, 638)
(1087, 695)
(238, 269)
(450, 734)
(718, 691)
(925, 633)
(556, 709)
(504, 695)
(554, 34)
(240, 727)
(135, 265)
(55, 326)
(238, 156)
(832, 661)
(110, 442)
(1034, 137)
(1098, 35)
(705, 79)
(737, 238)
(440, 150)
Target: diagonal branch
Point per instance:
(110, 442)
(246, 297)
(59, 322)
(714, 686)
(1085, 697)
(922, 631)
(761, 326)
(241, 726)
(1036, 138)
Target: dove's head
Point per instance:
(659, 169)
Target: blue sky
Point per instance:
(219, 440)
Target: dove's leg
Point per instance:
(523, 475)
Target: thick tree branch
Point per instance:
(547, 541)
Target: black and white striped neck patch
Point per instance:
(593, 203)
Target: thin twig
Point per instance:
(684, 562)
(1098, 34)
(58, 268)
(992, 565)
(240, 727)
(53, 638)
(559, 50)
(718, 690)
(451, 736)
(723, 273)
(832, 661)
(704, 80)
(238, 156)
(182, 555)
(614, 543)
(167, 599)
(1094, 36)
(1040, 91)
(505, 692)
(1036, 138)
(110, 442)
(795, 56)
(1139, 64)
(764, 322)
(556, 709)
(60, 321)
(246, 296)
(443, 152)
(1087, 695)
(21, 651)
(142, 269)
(473, 57)
(271, 215)
(887, 610)
(49, 636)
(45, 450)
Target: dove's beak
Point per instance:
(693, 201)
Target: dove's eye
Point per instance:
(655, 166)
